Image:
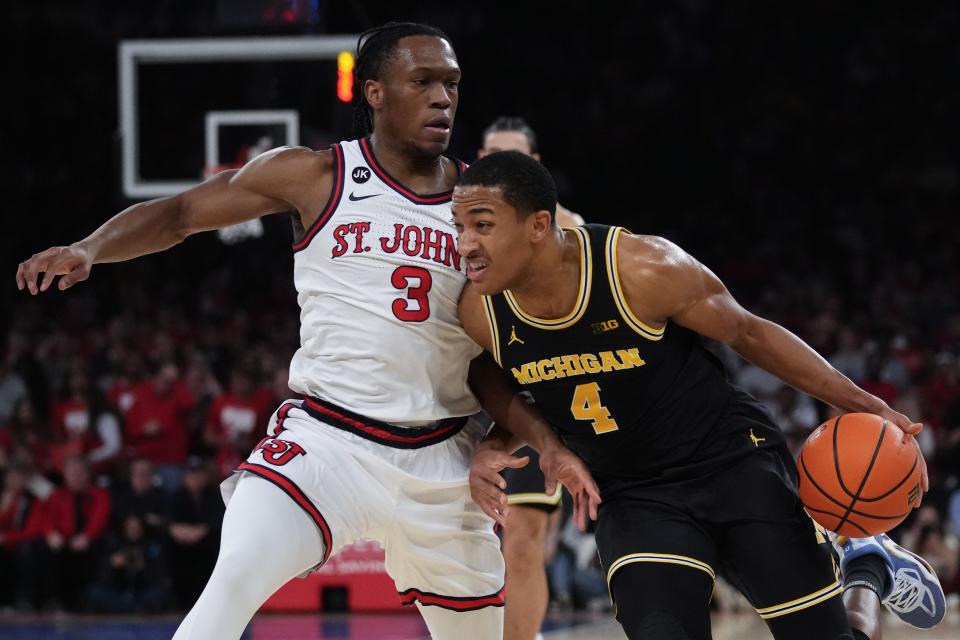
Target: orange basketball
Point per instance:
(857, 476)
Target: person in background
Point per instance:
(140, 497)
(156, 424)
(196, 511)
(21, 523)
(132, 577)
(77, 515)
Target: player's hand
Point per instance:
(559, 464)
(487, 486)
(71, 263)
(909, 428)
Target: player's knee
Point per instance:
(232, 575)
(653, 625)
(524, 537)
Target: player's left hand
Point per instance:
(559, 464)
(487, 486)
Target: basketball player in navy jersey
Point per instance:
(525, 534)
(695, 477)
(379, 446)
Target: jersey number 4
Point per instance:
(417, 281)
(586, 406)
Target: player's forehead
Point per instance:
(477, 199)
(506, 141)
(430, 53)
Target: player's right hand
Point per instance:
(487, 486)
(910, 429)
(71, 263)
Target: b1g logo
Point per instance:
(279, 452)
(360, 175)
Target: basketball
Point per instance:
(858, 477)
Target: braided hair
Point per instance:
(375, 47)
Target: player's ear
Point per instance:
(541, 223)
(373, 92)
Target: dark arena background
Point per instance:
(808, 154)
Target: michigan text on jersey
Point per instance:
(577, 364)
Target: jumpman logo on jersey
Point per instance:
(513, 337)
(756, 440)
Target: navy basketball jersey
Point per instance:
(639, 404)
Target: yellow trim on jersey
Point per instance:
(801, 603)
(613, 275)
(492, 323)
(536, 498)
(583, 296)
(666, 558)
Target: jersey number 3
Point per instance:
(586, 406)
(417, 281)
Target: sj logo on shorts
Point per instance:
(279, 452)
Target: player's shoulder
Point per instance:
(278, 171)
(470, 298)
(295, 158)
(652, 262)
(472, 315)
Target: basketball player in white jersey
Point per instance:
(525, 531)
(379, 447)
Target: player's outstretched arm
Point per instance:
(270, 183)
(688, 293)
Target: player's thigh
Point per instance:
(784, 570)
(323, 475)
(442, 550)
(661, 568)
(658, 601)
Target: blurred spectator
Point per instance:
(156, 424)
(140, 497)
(236, 421)
(131, 372)
(795, 414)
(196, 512)
(133, 576)
(77, 515)
(875, 382)
(757, 382)
(85, 424)
(21, 522)
(927, 537)
(575, 576)
(850, 358)
(12, 388)
(26, 438)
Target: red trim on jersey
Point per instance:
(390, 181)
(453, 603)
(281, 416)
(336, 192)
(298, 496)
(381, 432)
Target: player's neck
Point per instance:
(419, 172)
(551, 285)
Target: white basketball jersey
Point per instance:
(378, 278)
